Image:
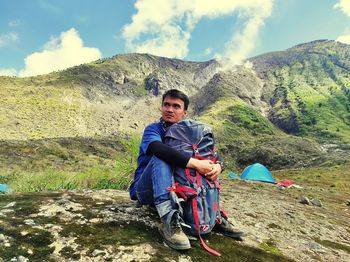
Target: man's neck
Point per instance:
(165, 124)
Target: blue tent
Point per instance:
(4, 188)
(257, 172)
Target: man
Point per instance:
(153, 174)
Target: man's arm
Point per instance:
(167, 154)
(175, 158)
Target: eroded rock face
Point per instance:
(106, 226)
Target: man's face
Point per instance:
(173, 110)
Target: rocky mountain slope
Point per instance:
(289, 103)
(109, 96)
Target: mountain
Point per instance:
(309, 89)
(284, 109)
(106, 97)
(303, 92)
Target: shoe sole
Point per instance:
(232, 235)
(172, 245)
(176, 247)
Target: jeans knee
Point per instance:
(145, 197)
(160, 166)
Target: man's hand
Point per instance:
(214, 173)
(206, 168)
(202, 166)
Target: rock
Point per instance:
(12, 204)
(290, 214)
(121, 248)
(2, 238)
(19, 259)
(129, 210)
(305, 200)
(22, 259)
(97, 252)
(95, 220)
(348, 203)
(29, 222)
(24, 233)
(316, 202)
(4, 241)
(5, 211)
(184, 258)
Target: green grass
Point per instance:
(270, 247)
(116, 176)
(335, 180)
(327, 243)
(98, 177)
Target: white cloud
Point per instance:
(248, 65)
(59, 53)
(171, 39)
(164, 27)
(8, 72)
(344, 39)
(208, 51)
(15, 23)
(242, 43)
(344, 5)
(6, 39)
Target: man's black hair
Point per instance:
(174, 93)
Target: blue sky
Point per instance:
(40, 36)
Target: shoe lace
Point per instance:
(172, 224)
(176, 222)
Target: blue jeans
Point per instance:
(152, 186)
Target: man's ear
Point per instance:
(185, 113)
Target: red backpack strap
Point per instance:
(196, 219)
(181, 190)
(218, 185)
(223, 212)
(188, 174)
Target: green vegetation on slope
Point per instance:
(244, 137)
(34, 111)
(320, 109)
(309, 90)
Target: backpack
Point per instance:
(200, 208)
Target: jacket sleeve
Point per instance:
(167, 154)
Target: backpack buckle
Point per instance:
(195, 149)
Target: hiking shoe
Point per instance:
(226, 228)
(171, 231)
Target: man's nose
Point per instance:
(170, 109)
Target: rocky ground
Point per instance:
(106, 226)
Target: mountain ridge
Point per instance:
(303, 91)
